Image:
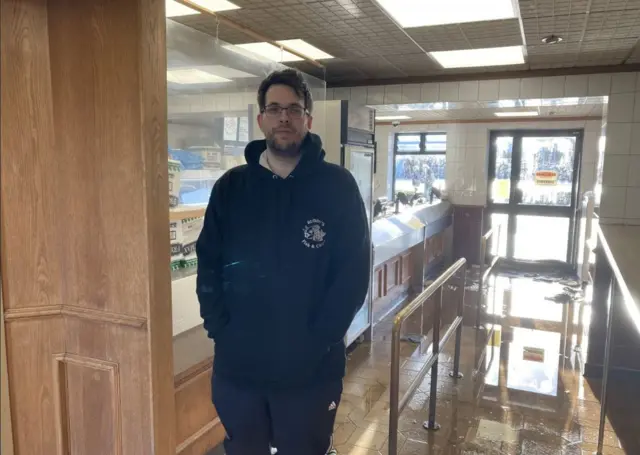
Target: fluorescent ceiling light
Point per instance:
(305, 48)
(422, 13)
(193, 76)
(175, 9)
(393, 117)
(517, 114)
(276, 54)
(474, 58)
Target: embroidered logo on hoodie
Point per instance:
(314, 234)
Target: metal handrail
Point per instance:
(484, 270)
(484, 241)
(398, 404)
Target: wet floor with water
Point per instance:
(523, 392)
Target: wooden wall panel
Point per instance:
(31, 345)
(87, 386)
(28, 166)
(96, 94)
(194, 409)
(198, 428)
(126, 347)
(84, 232)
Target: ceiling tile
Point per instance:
(368, 45)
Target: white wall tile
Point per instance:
(610, 221)
(474, 155)
(430, 93)
(531, 88)
(375, 94)
(392, 94)
(553, 87)
(618, 138)
(454, 153)
(632, 206)
(633, 178)
(358, 95)
(635, 139)
(616, 170)
(341, 93)
(411, 93)
(236, 102)
(623, 83)
(594, 125)
(636, 108)
(509, 89)
(476, 136)
(590, 147)
(599, 84)
(620, 108)
(468, 91)
(489, 90)
(637, 82)
(223, 102)
(612, 204)
(330, 94)
(250, 98)
(587, 177)
(577, 86)
(449, 91)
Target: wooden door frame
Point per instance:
(6, 439)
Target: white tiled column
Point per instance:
(620, 203)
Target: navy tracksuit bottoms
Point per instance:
(296, 422)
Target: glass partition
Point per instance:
(212, 106)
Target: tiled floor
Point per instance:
(522, 392)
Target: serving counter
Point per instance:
(407, 248)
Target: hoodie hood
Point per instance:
(311, 148)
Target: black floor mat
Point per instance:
(544, 270)
(558, 273)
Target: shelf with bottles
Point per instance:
(184, 235)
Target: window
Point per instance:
(419, 163)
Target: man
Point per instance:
(283, 267)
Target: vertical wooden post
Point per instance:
(85, 237)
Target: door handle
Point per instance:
(518, 196)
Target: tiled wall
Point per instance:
(503, 89)
(620, 201)
(468, 152)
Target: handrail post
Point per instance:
(456, 359)
(605, 364)
(483, 253)
(397, 404)
(431, 424)
(394, 388)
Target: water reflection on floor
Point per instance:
(522, 393)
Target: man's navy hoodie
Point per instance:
(283, 267)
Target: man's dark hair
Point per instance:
(291, 78)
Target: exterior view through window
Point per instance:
(419, 163)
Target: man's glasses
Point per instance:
(295, 111)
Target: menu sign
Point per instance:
(546, 178)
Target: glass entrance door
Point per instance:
(533, 192)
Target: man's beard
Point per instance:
(285, 150)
